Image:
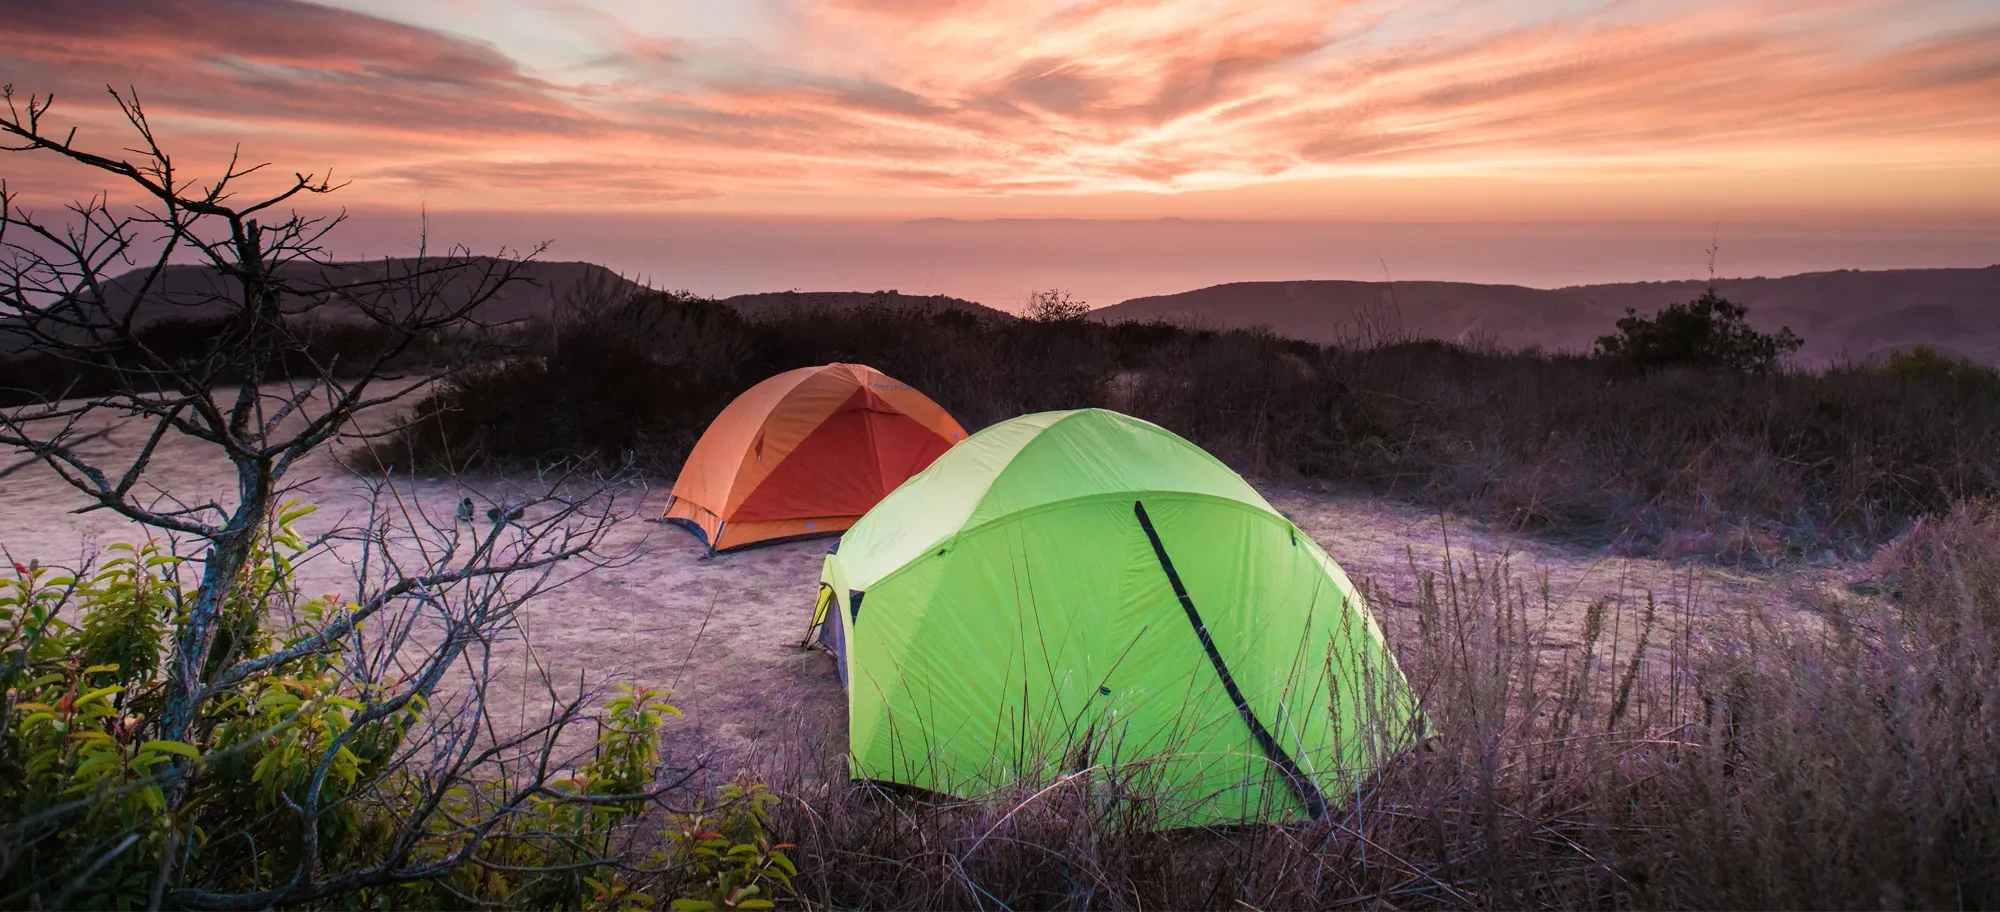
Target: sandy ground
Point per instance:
(723, 632)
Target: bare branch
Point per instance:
(433, 597)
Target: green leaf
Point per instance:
(756, 904)
(265, 768)
(172, 747)
(93, 763)
(691, 905)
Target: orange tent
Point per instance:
(805, 453)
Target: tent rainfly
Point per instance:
(804, 454)
(1084, 590)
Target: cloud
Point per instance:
(580, 182)
(983, 98)
(277, 59)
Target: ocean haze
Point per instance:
(998, 262)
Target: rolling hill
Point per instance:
(1843, 315)
(1848, 314)
(771, 304)
(187, 292)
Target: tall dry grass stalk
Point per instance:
(1839, 755)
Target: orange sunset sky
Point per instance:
(1816, 112)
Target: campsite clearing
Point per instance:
(723, 631)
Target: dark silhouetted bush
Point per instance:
(1710, 332)
(1055, 306)
(343, 348)
(605, 381)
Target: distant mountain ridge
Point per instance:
(771, 304)
(1847, 314)
(190, 292)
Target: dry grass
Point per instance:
(1738, 467)
(1840, 760)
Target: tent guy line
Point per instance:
(1301, 785)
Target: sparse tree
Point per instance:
(1710, 331)
(1055, 306)
(406, 656)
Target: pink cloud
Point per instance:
(915, 98)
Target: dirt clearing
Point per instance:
(724, 632)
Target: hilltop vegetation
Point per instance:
(1678, 459)
(1844, 315)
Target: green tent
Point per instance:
(1084, 591)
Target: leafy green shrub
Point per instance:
(1711, 331)
(1924, 364)
(730, 859)
(98, 811)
